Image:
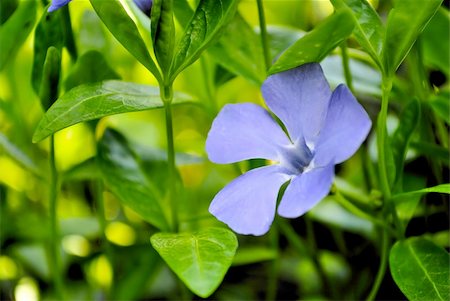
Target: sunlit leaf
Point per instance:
(17, 154)
(420, 269)
(124, 176)
(316, 44)
(199, 259)
(92, 101)
(405, 23)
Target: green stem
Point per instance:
(272, 286)
(383, 266)
(346, 66)
(264, 39)
(55, 253)
(296, 242)
(167, 97)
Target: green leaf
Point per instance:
(400, 140)
(17, 154)
(124, 176)
(48, 92)
(407, 206)
(441, 105)
(121, 26)
(86, 170)
(15, 30)
(163, 32)
(240, 53)
(48, 33)
(91, 67)
(441, 188)
(252, 255)
(199, 259)
(420, 269)
(405, 23)
(316, 44)
(432, 150)
(435, 50)
(91, 33)
(204, 28)
(369, 31)
(7, 8)
(92, 101)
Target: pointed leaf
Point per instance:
(405, 23)
(199, 259)
(92, 101)
(204, 28)
(163, 32)
(441, 188)
(124, 176)
(48, 92)
(420, 269)
(121, 26)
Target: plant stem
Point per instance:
(346, 66)
(167, 97)
(263, 34)
(55, 253)
(383, 265)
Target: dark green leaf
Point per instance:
(204, 28)
(432, 150)
(240, 53)
(369, 31)
(316, 44)
(400, 140)
(7, 8)
(163, 32)
(420, 269)
(15, 30)
(124, 176)
(435, 49)
(125, 31)
(48, 92)
(91, 67)
(440, 103)
(405, 23)
(48, 33)
(92, 101)
(199, 259)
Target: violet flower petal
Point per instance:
(346, 127)
(300, 98)
(244, 131)
(305, 191)
(247, 204)
(144, 5)
(56, 4)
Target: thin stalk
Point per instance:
(212, 105)
(346, 66)
(383, 266)
(272, 286)
(167, 97)
(263, 34)
(55, 253)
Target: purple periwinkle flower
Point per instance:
(144, 5)
(324, 128)
(57, 4)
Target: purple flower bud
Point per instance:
(144, 5)
(57, 4)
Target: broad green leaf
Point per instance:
(15, 30)
(124, 176)
(441, 188)
(92, 101)
(91, 67)
(199, 259)
(48, 33)
(316, 44)
(252, 255)
(17, 154)
(440, 103)
(163, 32)
(369, 31)
(400, 140)
(420, 269)
(240, 53)
(210, 17)
(435, 48)
(405, 22)
(121, 26)
(48, 92)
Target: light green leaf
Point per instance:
(240, 53)
(252, 255)
(17, 154)
(405, 23)
(124, 176)
(15, 30)
(407, 206)
(369, 31)
(441, 188)
(440, 103)
(420, 269)
(204, 28)
(92, 101)
(91, 33)
(121, 26)
(163, 32)
(316, 44)
(199, 259)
